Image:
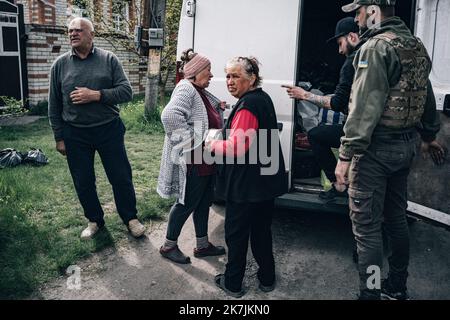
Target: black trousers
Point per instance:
(322, 139)
(244, 221)
(108, 141)
(198, 199)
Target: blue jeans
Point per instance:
(108, 140)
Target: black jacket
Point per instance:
(246, 181)
(339, 101)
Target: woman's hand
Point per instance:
(223, 105)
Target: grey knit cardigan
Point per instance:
(185, 123)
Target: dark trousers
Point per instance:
(108, 141)
(198, 198)
(322, 139)
(244, 221)
(378, 198)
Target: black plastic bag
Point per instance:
(35, 157)
(10, 158)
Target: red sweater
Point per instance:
(215, 122)
(238, 142)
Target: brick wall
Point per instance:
(47, 39)
(170, 85)
(46, 43)
(26, 10)
(61, 13)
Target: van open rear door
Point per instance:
(265, 29)
(429, 185)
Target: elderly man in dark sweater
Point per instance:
(86, 86)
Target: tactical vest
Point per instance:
(406, 101)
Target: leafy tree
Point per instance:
(168, 57)
(119, 30)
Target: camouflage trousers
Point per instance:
(378, 202)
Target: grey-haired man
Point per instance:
(86, 85)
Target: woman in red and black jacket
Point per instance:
(252, 176)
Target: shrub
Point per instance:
(11, 106)
(40, 109)
(133, 114)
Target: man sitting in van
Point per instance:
(325, 137)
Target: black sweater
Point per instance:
(339, 101)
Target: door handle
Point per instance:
(280, 126)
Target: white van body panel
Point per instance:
(186, 35)
(433, 28)
(270, 35)
(269, 30)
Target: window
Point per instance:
(77, 8)
(120, 16)
(10, 43)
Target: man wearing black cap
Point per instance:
(323, 138)
(391, 97)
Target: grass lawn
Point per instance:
(40, 216)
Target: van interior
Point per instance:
(319, 63)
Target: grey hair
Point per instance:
(250, 65)
(85, 20)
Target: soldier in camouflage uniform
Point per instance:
(391, 97)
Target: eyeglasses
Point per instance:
(75, 30)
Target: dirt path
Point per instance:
(313, 254)
(18, 121)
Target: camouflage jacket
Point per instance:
(377, 70)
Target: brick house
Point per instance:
(44, 38)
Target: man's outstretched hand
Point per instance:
(295, 92)
(435, 150)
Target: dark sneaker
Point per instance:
(220, 282)
(332, 193)
(211, 250)
(369, 295)
(175, 255)
(264, 288)
(388, 292)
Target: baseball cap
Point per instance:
(356, 4)
(344, 27)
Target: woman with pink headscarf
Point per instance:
(190, 113)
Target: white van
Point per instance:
(289, 39)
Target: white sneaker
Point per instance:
(89, 232)
(136, 228)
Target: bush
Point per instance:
(11, 105)
(40, 109)
(133, 114)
